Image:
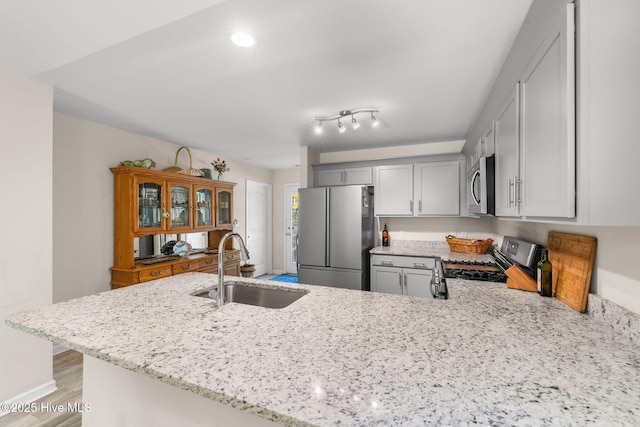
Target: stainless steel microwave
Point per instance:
(481, 187)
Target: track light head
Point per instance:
(374, 121)
(341, 127)
(318, 128)
(356, 125)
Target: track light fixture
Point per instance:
(344, 113)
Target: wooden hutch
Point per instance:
(151, 203)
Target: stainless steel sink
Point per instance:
(253, 295)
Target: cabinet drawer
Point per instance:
(208, 263)
(232, 256)
(155, 273)
(403, 261)
(185, 267)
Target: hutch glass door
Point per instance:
(180, 207)
(224, 208)
(204, 207)
(150, 205)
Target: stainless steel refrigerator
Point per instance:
(335, 234)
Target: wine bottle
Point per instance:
(544, 275)
(385, 236)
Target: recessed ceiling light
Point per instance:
(242, 39)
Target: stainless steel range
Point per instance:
(512, 251)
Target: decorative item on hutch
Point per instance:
(191, 171)
(220, 166)
(144, 163)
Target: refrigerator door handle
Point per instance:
(297, 258)
(327, 245)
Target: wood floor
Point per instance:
(67, 372)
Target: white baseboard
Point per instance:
(30, 396)
(59, 348)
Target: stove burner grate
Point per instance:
(472, 270)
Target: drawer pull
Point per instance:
(209, 261)
(386, 262)
(155, 273)
(185, 267)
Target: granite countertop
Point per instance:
(428, 249)
(487, 356)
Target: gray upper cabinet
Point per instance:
(344, 176)
(547, 123)
(437, 188)
(535, 132)
(394, 190)
(507, 147)
(419, 189)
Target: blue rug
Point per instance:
(289, 278)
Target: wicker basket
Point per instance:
(189, 171)
(468, 246)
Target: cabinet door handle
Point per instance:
(404, 291)
(509, 199)
(411, 206)
(517, 190)
(420, 206)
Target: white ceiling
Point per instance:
(167, 69)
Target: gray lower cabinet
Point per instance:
(401, 275)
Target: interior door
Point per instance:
(259, 226)
(291, 229)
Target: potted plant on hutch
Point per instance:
(221, 167)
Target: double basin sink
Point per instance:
(239, 292)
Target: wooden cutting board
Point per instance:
(571, 257)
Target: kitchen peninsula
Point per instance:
(487, 356)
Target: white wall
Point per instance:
(437, 228)
(308, 157)
(26, 228)
(83, 152)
